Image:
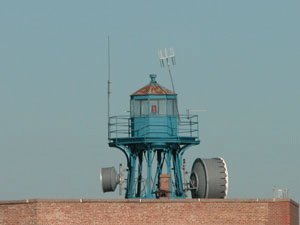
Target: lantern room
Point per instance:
(153, 111)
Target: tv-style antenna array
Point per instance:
(167, 59)
(280, 193)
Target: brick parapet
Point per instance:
(149, 211)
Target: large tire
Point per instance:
(209, 178)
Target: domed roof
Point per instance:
(153, 88)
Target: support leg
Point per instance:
(131, 177)
(177, 175)
(169, 170)
(149, 174)
(158, 169)
(140, 170)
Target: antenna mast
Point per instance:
(108, 90)
(166, 58)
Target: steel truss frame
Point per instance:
(166, 154)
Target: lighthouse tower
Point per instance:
(154, 138)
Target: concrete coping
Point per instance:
(162, 200)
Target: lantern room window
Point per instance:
(157, 107)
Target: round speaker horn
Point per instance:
(209, 178)
(109, 179)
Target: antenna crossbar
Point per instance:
(167, 59)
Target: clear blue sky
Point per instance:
(238, 59)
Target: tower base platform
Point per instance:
(145, 211)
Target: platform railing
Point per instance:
(121, 127)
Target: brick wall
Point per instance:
(162, 211)
(294, 212)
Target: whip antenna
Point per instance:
(108, 88)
